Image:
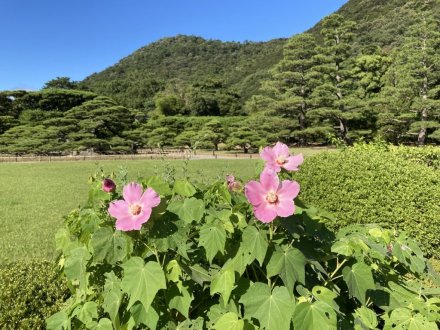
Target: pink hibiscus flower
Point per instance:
(279, 157)
(270, 198)
(135, 209)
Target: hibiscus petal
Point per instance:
(285, 208)
(280, 149)
(139, 220)
(150, 199)
(268, 155)
(125, 224)
(293, 162)
(132, 193)
(288, 190)
(273, 167)
(269, 180)
(118, 209)
(254, 192)
(265, 212)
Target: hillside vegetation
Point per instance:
(184, 65)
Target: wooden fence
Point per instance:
(168, 154)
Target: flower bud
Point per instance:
(108, 185)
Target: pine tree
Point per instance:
(292, 82)
(414, 77)
(332, 98)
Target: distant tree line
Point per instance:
(60, 121)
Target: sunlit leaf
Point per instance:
(184, 188)
(223, 283)
(289, 265)
(359, 279)
(213, 239)
(109, 245)
(142, 281)
(312, 316)
(272, 309)
(254, 244)
(229, 321)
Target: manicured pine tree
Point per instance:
(368, 74)
(292, 80)
(420, 56)
(413, 80)
(333, 98)
(212, 133)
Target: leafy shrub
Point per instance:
(373, 185)
(428, 155)
(29, 293)
(203, 261)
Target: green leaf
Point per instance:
(366, 317)
(139, 315)
(254, 244)
(179, 297)
(184, 188)
(403, 319)
(75, 267)
(189, 210)
(229, 321)
(58, 321)
(289, 265)
(319, 315)
(108, 245)
(191, 324)
(197, 273)
(223, 283)
(104, 324)
(213, 239)
(159, 185)
(173, 271)
(342, 247)
(111, 304)
(112, 296)
(359, 279)
(272, 309)
(88, 314)
(63, 240)
(142, 281)
(325, 295)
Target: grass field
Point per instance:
(35, 196)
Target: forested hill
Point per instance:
(381, 22)
(188, 65)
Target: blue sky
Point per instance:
(43, 39)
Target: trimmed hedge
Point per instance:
(376, 185)
(29, 293)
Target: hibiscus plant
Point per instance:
(167, 254)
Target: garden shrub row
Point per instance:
(29, 293)
(393, 187)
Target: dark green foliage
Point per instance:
(29, 293)
(61, 83)
(373, 185)
(61, 121)
(413, 81)
(189, 60)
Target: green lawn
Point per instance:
(35, 196)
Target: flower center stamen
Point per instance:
(281, 160)
(135, 209)
(272, 197)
